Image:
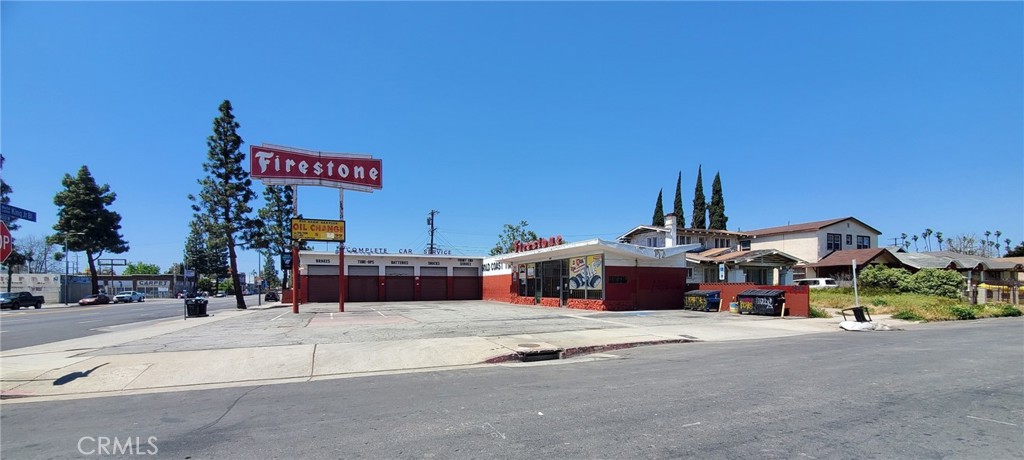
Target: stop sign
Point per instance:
(8, 242)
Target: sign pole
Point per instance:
(295, 253)
(341, 254)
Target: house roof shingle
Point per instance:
(862, 256)
(806, 227)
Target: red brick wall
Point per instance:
(797, 297)
(498, 288)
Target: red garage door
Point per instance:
(322, 288)
(362, 284)
(433, 283)
(467, 283)
(399, 284)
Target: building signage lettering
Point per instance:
(324, 261)
(366, 262)
(538, 244)
(369, 251)
(496, 266)
(151, 283)
(279, 166)
(433, 263)
(399, 262)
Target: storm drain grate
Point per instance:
(545, 355)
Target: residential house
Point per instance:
(839, 264)
(721, 256)
(813, 241)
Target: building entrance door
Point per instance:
(565, 291)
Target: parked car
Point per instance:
(817, 283)
(16, 300)
(219, 294)
(129, 297)
(272, 297)
(95, 299)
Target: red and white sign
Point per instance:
(8, 242)
(286, 166)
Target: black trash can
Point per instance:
(761, 301)
(195, 307)
(703, 300)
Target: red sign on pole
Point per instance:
(285, 166)
(8, 242)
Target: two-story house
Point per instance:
(812, 241)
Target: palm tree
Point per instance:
(915, 243)
(926, 235)
(938, 236)
(949, 243)
(1008, 247)
(903, 236)
(984, 246)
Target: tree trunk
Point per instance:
(239, 298)
(9, 277)
(93, 276)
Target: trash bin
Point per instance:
(761, 301)
(703, 300)
(195, 307)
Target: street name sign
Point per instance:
(8, 212)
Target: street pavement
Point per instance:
(56, 322)
(270, 344)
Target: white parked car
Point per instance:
(129, 297)
(817, 283)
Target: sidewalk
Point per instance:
(270, 344)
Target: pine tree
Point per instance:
(716, 210)
(677, 207)
(223, 201)
(659, 213)
(273, 231)
(85, 223)
(699, 204)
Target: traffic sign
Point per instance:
(9, 211)
(7, 242)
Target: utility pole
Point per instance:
(430, 222)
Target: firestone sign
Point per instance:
(284, 166)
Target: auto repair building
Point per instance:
(389, 277)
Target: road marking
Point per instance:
(602, 320)
(278, 316)
(379, 313)
(689, 424)
(990, 420)
(92, 321)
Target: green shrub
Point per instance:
(964, 312)
(931, 281)
(879, 302)
(882, 277)
(908, 316)
(818, 313)
(1008, 310)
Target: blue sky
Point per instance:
(568, 115)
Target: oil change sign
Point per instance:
(318, 230)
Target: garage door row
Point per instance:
(364, 284)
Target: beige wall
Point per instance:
(813, 246)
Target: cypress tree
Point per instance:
(659, 213)
(716, 210)
(677, 207)
(699, 204)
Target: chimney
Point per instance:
(670, 224)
